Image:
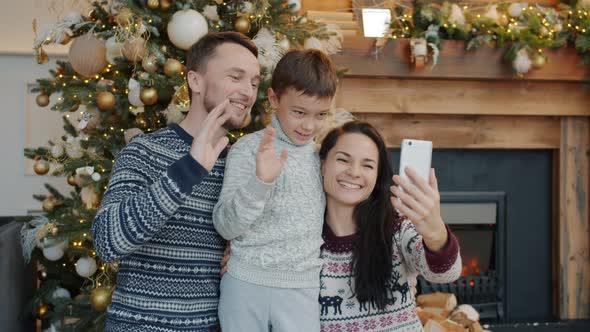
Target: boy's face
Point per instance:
(233, 73)
(301, 116)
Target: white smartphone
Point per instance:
(418, 155)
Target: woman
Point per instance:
(371, 254)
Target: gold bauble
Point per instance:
(153, 4)
(100, 298)
(87, 55)
(48, 205)
(539, 61)
(242, 24)
(42, 100)
(105, 100)
(148, 96)
(141, 121)
(134, 49)
(42, 310)
(150, 63)
(164, 5)
(72, 180)
(172, 67)
(503, 20)
(41, 167)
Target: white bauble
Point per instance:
(86, 266)
(186, 27)
(285, 44)
(313, 42)
(57, 150)
(522, 64)
(95, 177)
(134, 93)
(516, 8)
(61, 293)
(297, 5)
(55, 252)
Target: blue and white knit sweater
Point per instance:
(155, 220)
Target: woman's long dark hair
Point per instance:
(375, 219)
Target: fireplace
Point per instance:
(478, 221)
(499, 205)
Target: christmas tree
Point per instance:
(125, 75)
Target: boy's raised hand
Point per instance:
(268, 166)
(205, 148)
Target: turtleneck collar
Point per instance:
(283, 137)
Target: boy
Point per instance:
(272, 207)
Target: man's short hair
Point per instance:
(201, 51)
(310, 72)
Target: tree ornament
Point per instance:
(539, 61)
(88, 55)
(165, 5)
(242, 24)
(57, 151)
(48, 205)
(172, 67)
(42, 310)
(54, 230)
(90, 197)
(153, 4)
(100, 298)
(55, 252)
(150, 63)
(419, 52)
(72, 180)
(503, 20)
(186, 27)
(296, 5)
(141, 121)
(65, 39)
(522, 63)
(42, 100)
(86, 266)
(105, 100)
(41, 167)
(61, 293)
(124, 17)
(285, 44)
(74, 108)
(42, 275)
(149, 96)
(114, 50)
(134, 49)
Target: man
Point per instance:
(155, 217)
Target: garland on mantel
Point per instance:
(524, 30)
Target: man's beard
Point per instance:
(229, 124)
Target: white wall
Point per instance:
(17, 187)
(17, 68)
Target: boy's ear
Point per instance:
(195, 81)
(273, 99)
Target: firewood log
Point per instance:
(433, 326)
(440, 300)
(451, 326)
(425, 316)
(444, 313)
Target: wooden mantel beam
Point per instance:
(393, 61)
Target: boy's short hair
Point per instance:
(200, 52)
(308, 71)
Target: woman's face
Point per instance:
(350, 169)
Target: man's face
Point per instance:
(233, 73)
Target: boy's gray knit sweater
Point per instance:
(275, 229)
